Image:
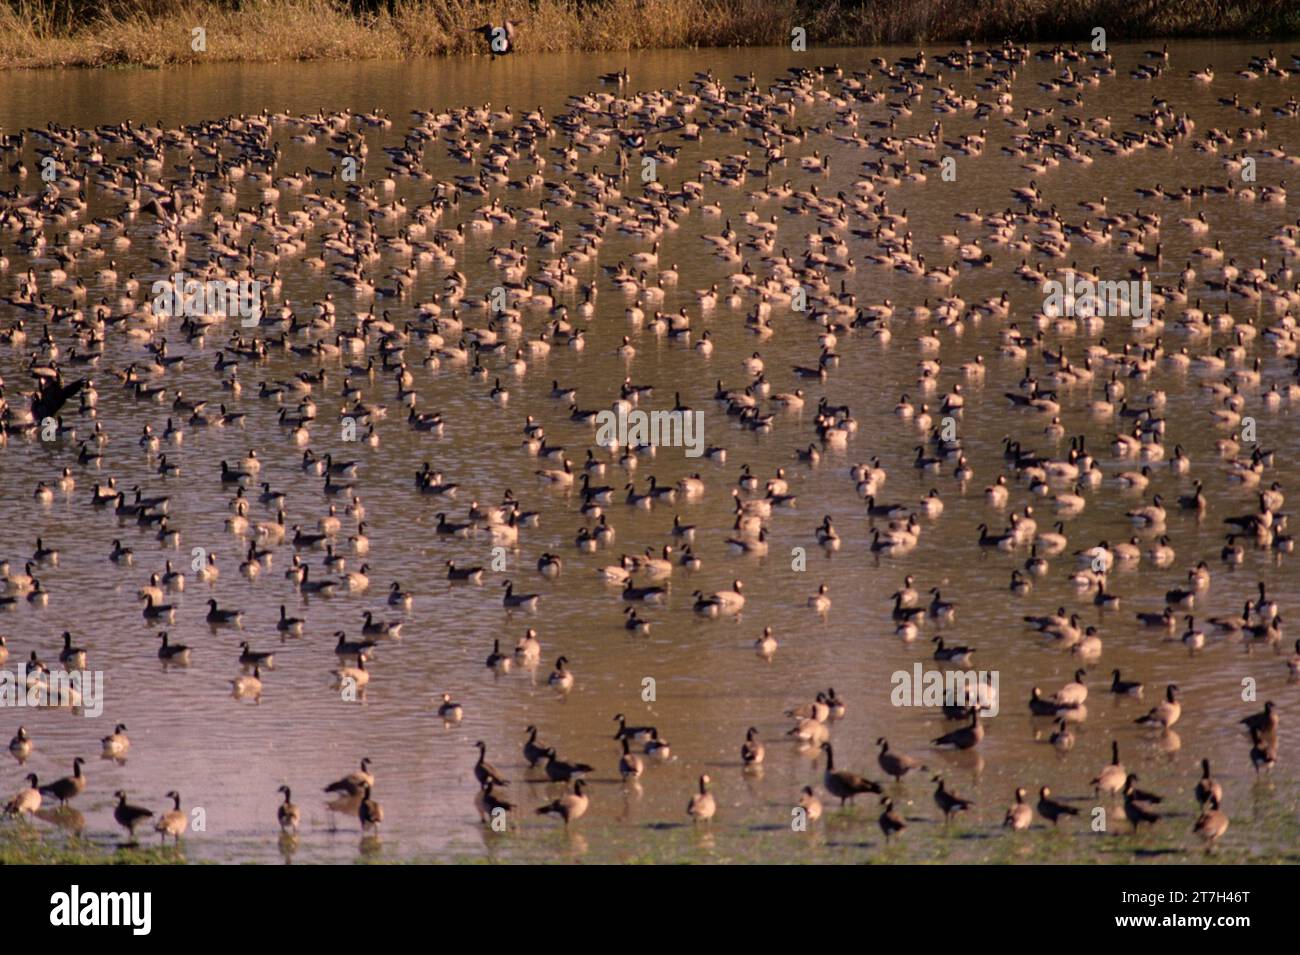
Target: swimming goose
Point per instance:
(1166, 714)
(349, 678)
(248, 686)
(116, 743)
(20, 747)
(456, 574)
(249, 657)
(177, 654)
(514, 601)
(636, 733)
(217, 617)
(658, 747)
(561, 678)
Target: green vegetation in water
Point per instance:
(92, 33)
(21, 843)
(841, 838)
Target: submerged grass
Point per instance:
(95, 33)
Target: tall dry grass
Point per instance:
(157, 32)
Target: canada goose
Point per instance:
(1111, 779)
(72, 658)
(630, 765)
(26, 800)
(514, 601)
(894, 764)
(949, 803)
(810, 804)
(890, 822)
(752, 750)
(116, 743)
(1207, 788)
(369, 812)
(1075, 692)
(473, 575)
(20, 747)
(1062, 739)
(635, 733)
(658, 747)
(702, 806)
(128, 816)
(561, 677)
(490, 806)
(1212, 823)
(966, 737)
(248, 686)
(841, 783)
(1263, 751)
(1053, 810)
(484, 772)
(533, 752)
(350, 789)
(68, 787)
(570, 806)
(497, 660)
(173, 822)
(349, 678)
(217, 617)
(945, 654)
(1019, 816)
(177, 654)
(249, 657)
(287, 813)
(562, 771)
(1124, 687)
(1166, 714)
(290, 626)
(1137, 804)
(449, 711)
(528, 649)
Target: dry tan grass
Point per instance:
(158, 32)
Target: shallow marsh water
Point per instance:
(229, 757)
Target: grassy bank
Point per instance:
(93, 33)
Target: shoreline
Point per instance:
(41, 34)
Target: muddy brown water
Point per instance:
(228, 757)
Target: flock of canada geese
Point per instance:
(539, 195)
